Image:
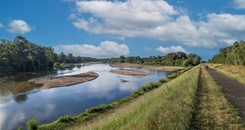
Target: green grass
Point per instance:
(67, 121)
(233, 71)
(168, 107)
(213, 111)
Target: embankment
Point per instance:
(145, 99)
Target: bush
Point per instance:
(65, 119)
(172, 76)
(32, 124)
(98, 109)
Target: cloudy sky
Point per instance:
(120, 27)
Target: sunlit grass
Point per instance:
(213, 110)
(233, 71)
(89, 114)
(169, 107)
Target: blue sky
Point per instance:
(136, 27)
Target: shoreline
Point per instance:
(130, 72)
(92, 113)
(151, 67)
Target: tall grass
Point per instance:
(233, 71)
(213, 110)
(168, 107)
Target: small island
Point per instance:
(130, 72)
(50, 81)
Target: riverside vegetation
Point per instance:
(233, 55)
(36, 58)
(32, 57)
(182, 101)
(171, 59)
(89, 114)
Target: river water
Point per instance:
(21, 101)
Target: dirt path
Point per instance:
(233, 90)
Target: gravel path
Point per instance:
(234, 91)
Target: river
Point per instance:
(21, 101)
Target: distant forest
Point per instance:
(21, 55)
(234, 55)
(171, 59)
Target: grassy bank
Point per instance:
(233, 71)
(213, 111)
(167, 107)
(67, 121)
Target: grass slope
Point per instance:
(213, 110)
(233, 71)
(168, 107)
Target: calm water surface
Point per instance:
(20, 101)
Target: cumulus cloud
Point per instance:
(166, 50)
(19, 26)
(239, 4)
(157, 20)
(105, 49)
(1, 25)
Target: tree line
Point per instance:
(171, 59)
(20, 55)
(234, 54)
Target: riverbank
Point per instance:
(181, 103)
(93, 113)
(130, 72)
(160, 68)
(167, 107)
(50, 81)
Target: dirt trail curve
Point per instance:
(234, 91)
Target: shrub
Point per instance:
(65, 119)
(32, 124)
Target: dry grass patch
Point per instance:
(233, 71)
(213, 109)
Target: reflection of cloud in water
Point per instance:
(2, 118)
(47, 105)
(93, 67)
(12, 116)
(13, 119)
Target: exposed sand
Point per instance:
(130, 72)
(161, 68)
(127, 65)
(50, 81)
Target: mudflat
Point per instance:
(130, 72)
(50, 81)
(160, 68)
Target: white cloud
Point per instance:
(19, 26)
(166, 50)
(239, 4)
(123, 19)
(1, 25)
(157, 20)
(105, 49)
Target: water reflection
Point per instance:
(47, 105)
(21, 98)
